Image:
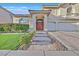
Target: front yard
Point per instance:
(9, 41)
(13, 41)
(12, 36)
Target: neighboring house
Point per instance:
(8, 17)
(59, 18)
(62, 17)
(5, 16)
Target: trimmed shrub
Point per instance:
(26, 38)
(14, 27)
(6, 27)
(1, 29)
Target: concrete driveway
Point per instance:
(69, 39)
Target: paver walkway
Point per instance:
(41, 41)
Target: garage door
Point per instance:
(66, 27)
(51, 26)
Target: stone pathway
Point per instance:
(41, 41)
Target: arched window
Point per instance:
(69, 10)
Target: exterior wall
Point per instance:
(58, 11)
(33, 23)
(76, 8)
(74, 11)
(62, 12)
(5, 17)
(15, 19)
(71, 11)
(54, 11)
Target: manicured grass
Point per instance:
(13, 41)
(9, 41)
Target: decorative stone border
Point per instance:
(24, 47)
(56, 44)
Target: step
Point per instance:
(41, 47)
(40, 34)
(40, 43)
(40, 39)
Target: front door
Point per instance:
(39, 24)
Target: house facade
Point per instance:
(63, 17)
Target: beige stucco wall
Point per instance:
(75, 8)
(62, 12)
(15, 19)
(54, 11)
(5, 17)
(32, 23)
(59, 12)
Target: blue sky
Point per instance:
(22, 8)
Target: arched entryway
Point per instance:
(40, 23)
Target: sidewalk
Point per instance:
(38, 53)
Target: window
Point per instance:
(23, 21)
(69, 10)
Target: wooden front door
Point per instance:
(39, 24)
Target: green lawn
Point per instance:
(9, 41)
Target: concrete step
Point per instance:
(41, 39)
(40, 43)
(41, 47)
(40, 34)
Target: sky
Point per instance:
(22, 8)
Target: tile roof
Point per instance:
(22, 15)
(39, 11)
(50, 7)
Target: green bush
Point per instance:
(6, 27)
(26, 38)
(1, 28)
(14, 27)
